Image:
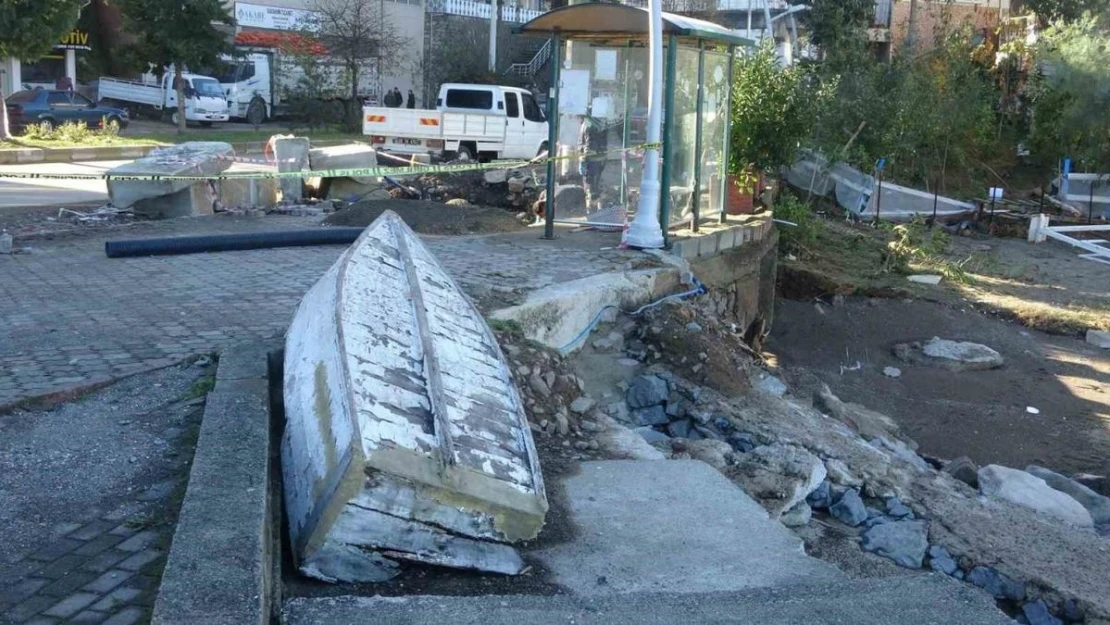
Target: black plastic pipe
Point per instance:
(230, 242)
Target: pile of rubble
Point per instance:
(1025, 537)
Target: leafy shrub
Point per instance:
(72, 132)
(795, 238)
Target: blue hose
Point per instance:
(699, 289)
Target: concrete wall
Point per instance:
(741, 281)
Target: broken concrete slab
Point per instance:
(1098, 338)
(292, 155)
(952, 355)
(171, 198)
(627, 523)
(337, 157)
(1029, 491)
(778, 476)
(374, 426)
(864, 421)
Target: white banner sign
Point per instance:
(275, 18)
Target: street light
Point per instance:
(645, 232)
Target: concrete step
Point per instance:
(911, 600)
(672, 526)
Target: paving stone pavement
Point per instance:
(72, 316)
(102, 573)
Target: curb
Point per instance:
(22, 156)
(220, 569)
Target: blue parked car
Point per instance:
(52, 108)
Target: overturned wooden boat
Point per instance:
(405, 437)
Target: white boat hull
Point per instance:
(405, 436)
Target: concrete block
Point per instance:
(192, 201)
(353, 156)
(249, 192)
(727, 239)
(193, 158)
(219, 566)
(1099, 338)
(30, 155)
(686, 249)
(292, 155)
(707, 244)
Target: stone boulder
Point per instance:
(646, 391)
(622, 442)
(964, 470)
(849, 509)
(1097, 505)
(864, 421)
(952, 355)
(941, 561)
(904, 542)
(1029, 491)
(778, 476)
(995, 583)
(712, 452)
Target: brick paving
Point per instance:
(105, 571)
(72, 316)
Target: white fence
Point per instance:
(481, 10)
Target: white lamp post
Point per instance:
(644, 231)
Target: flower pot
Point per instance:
(739, 201)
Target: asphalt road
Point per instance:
(22, 193)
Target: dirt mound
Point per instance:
(429, 217)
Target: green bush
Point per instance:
(795, 238)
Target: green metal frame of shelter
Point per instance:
(621, 25)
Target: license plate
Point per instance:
(407, 141)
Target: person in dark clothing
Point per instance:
(592, 143)
(412, 100)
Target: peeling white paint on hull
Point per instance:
(405, 436)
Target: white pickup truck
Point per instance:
(204, 100)
(470, 122)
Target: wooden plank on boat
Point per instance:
(399, 403)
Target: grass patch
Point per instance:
(79, 136)
(508, 327)
(201, 387)
(249, 136)
(842, 259)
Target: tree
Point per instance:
(836, 25)
(1071, 96)
(177, 34)
(28, 31)
(1067, 10)
(771, 113)
(357, 33)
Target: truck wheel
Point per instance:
(256, 112)
(174, 119)
(465, 154)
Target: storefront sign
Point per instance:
(75, 40)
(275, 18)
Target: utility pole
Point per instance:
(645, 232)
(494, 6)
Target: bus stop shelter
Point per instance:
(599, 88)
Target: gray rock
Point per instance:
(652, 435)
(952, 355)
(864, 421)
(722, 424)
(714, 453)
(582, 405)
(898, 510)
(899, 448)
(772, 386)
(821, 497)
(562, 424)
(1036, 612)
(904, 542)
(646, 391)
(676, 406)
(797, 516)
(709, 432)
(622, 442)
(778, 476)
(839, 473)
(941, 561)
(1099, 338)
(1098, 483)
(997, 584)
(741, 442)
(964, 470)
(1072, 611)
(654, 415)
(538, 386)
(892, 372)
(849, 509)
(680, 429)
(1023, 489)
(694, 327)
(1097, 505)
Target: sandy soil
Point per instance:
(979, 414)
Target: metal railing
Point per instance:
(529, 69)
(481, 10)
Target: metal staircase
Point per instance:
(528, 70)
